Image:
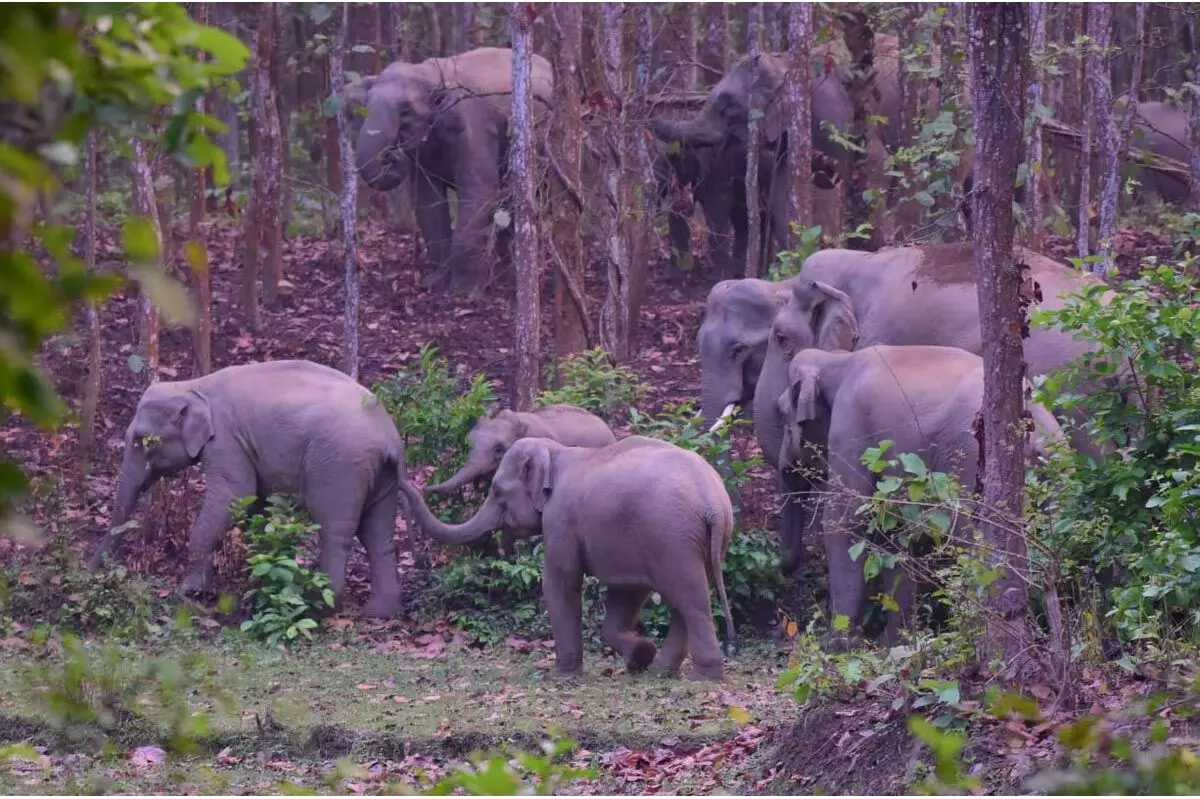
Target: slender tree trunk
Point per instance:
(196, 257)
(267, 165)
(145, 205)
(861, 44)
(434, 26)
(91, 392)
(387, 31)
(799, 98)
(227, 19)
(1033, 194)
(337, 78)
(528, 333)
(754, 240)
(1107, 135)
(994, 59)
(713, 55)
(1135, 80)
(564, 151)
(1193, 26)
(691, 33)
(333, 158)
(1083, 221)
(279, 79)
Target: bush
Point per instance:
(790, 261)
(288, 597)
(1134, 511)
(680, 424)
(592, 382)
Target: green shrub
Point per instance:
(790, 261)
(1134, 511)
(288, 597)
(682, 425)
(591, 381)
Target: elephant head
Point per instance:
(490, 439)
(815, 315)
(733, 342)
(169, 431)
(519, 493)
(400, 108)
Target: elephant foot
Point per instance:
(435, 279)
(837, 642)
(383, 606)
(194, 585)
(467, 281)
(711, 672)
(641, 656)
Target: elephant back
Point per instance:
(487, 70)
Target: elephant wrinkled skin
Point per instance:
(641, 515)
(444, 123)
(286, 426)
(838, 404)
(492, 436)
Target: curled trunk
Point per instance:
(488, 519)
(471, 470)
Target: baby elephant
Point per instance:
(641, 515)
(923, 398)
(492, 436)
(282, 426)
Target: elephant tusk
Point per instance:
(725, 414)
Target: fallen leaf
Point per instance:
(145, 756)
(366, 686)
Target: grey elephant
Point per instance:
(838, 404)
(443, 123)
(1161, 128)
(288, 426)
(641, 515)
(493, 436)
(845, 299)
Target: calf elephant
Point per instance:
(641, 515)
(837, 404)
(281, 426)
(444, 123)
(492, 436)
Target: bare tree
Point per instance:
(196, 257)
(1087, 129)
(1135, 80)
(564, 152)
(1033, 193)
(1107, 134)
(799, 99)
(1193, 28)
(520, 20)
(144, 205)
(268, 159)
(691, 34)
(994, 58)
(753, 239)
(91, 391)
(337, 79)
(715, 55)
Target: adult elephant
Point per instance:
(443, 123)
(845, 299)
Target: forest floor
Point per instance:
(413, 695)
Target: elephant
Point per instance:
(837, 404)
(289, 426)
(1161, 128)
(444, 123)
(492, 436)
(641, 515)
(844, 299)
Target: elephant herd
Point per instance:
(859, 348)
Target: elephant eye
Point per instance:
(737, 350)
(498, 450)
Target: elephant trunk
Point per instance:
(487, 519)
(468, 266)
(698, 131)
(719, 389)
(471, 470)
(380, 167)
(133, 479)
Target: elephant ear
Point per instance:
(836, 326)
(448, 120)
(537, 476)
(195, 423)
(800, 401)
(766, 94)
(356, 93)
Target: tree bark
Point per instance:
(197, 259)
(1107, 135)
(753, 212)
(266, 180)
(1193, 26)
(714, 54)
(564, 150)
(349, 199)
(1033, 194)
(528, 333)
(994, 60)
(144, 204)
(1083, 222)
(1135, 80)
(91, 391)
(799, 98)
(691, 34)
(861, 44)
(226, 18)
(333, 158)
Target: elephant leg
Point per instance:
(847, 585)
(469, 267)
(795, 517)
(675, 648)
(433, 217)
(689, 595)
(562, 587)
(336, 504)
(624, 605)
(377, 531)
(213, 522)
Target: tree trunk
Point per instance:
(564, 151)
(91, 391)
(434, 24)
(333, 158)
(1107, 135)
(196, 257)
(279, 79)
(529, 325)
(1135, 80)
(1033, 193)
(144, 205)
(861, 44)
(337, 79)
(1083, 222)
(1193, 27)
(713, 56)
(799, 99)
(754, 240)
(227, 19)
(266, 180)
(994, 60)
(691, 34)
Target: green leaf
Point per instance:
(136, 364)
(171, 298)
(228, 52)
(914, 465)
(857, 549)
(140, 241)
(332, 106)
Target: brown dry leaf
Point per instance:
(366, 686)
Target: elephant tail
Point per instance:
(717, 537)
